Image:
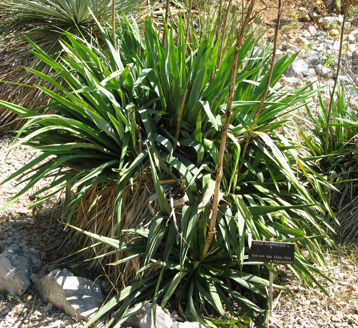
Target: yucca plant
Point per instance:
(335, 157)
(45, 22)
(134, 145)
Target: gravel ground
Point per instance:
(311, 308)
(35, 229)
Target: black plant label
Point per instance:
(272, 252)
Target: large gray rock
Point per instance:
(16, 268)
(162, 319)
(298, 68)
(76, 296)
(142, 318)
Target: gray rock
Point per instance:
(311, 73)
(290, 81)
(305, 18)
(142, 318)
(298, 68)
(302, 41)
(351, 91)
(16, 267)
(162, 319)
(76, 296)
(3, 243)
(350, 38)
(352, 47)
(312, 30)
(344, 78)
(314, 16)
(187, 324)
(48, 307)
(336, 45)
(330, 20)
(355, 58)
(355, 34)
(313, 58)
(324, 71)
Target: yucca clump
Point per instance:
(45, 22)
(135, 143)
(336, 158)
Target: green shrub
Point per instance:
(336, 156)
(148, 119)
(45, 23)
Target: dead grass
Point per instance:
(138, 210)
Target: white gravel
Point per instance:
(29, 229)
(311, 308)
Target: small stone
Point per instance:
(48, 307)
(187, 325)
(314, 16)
(335, 32)
(290, 80)
(312, 30)
(324, 71)
(305, 18)
(335, 319)
(355, 58)
(329, 20)
(352, 47)
(16, 267)
(302, 41)
(350, 38)
(162, 319)
(313, 58)
(355, 34)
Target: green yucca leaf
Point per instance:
(23, 112)
(156, 234)
(261, 210)
(117, 244)
(163, 202)
(129, 292)
(172, 287)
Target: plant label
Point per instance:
(272, 252)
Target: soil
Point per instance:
(291, 9)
